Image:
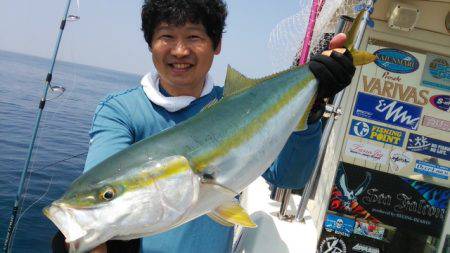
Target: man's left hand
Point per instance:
(334, 72)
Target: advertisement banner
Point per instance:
(377, 133)
(366, 229)
(379, 197)
(437, 72)
(331, 242)
(339, 224)
(428, 146)
(400, 122)
(388, 111)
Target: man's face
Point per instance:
(182, 55)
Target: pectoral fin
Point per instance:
(231, 213)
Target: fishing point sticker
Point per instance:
(395, 60)
(340, 225)
(428, 146)
(387, 111)
(332, 244)
(399, 159)
(436, 123)
(430, 169)
(366, 152)
(378, 133)
(437, 72)
(441, 102)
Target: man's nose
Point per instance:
(180, 49)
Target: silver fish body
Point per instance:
(189, 170)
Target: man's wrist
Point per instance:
(317, 111)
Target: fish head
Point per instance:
(145, 200)
(85, 214)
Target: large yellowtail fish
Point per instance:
(192, 169)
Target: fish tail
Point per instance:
(359, 57)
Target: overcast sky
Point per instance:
(108, 34)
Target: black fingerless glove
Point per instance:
(334, 73)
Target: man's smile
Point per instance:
(180, 67)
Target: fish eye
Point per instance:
(107, 194)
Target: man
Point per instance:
(183, 37)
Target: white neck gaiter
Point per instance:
(150, 83)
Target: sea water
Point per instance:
(63, 133)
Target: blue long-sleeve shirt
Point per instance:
(128, 117)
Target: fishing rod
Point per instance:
(57, 89)
(315, 10)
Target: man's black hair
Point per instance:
(210, 13)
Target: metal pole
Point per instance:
(284, 204)
(17, 202)
(329, 125)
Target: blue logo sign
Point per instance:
(377, 133)
(396, 61)
(441, 102)
(387, 111)
(439, 68)
(437, 75)
(433, 170)
(339, 225)
(428, 146)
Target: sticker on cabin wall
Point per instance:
(359, 247)
(366, 151)
(369, 230)
(399, 159)
(340, 225)
(378, 133)
(378, 197)
(395, 90)
(395, 60)
(428, 146)
(332, 244)
(387, 111)
(436, 123)
(437, 72)
(433, 170)
(441, 102)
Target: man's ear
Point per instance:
(218, 48)
(150, 48)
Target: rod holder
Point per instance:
(332, 111)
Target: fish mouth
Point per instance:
(64, 218)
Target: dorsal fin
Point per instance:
(235, 82)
